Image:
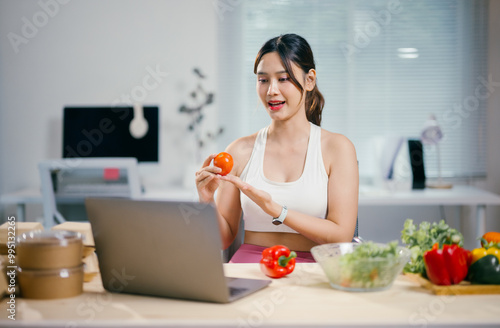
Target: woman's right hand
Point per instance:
(207, 180)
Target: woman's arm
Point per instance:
(341, 162)
(229, 212)
(343, 184)
(227, 199)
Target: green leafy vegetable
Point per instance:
(369, 265)
(421, 239)
(372, 250)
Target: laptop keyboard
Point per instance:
(235, 291)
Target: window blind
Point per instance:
(383, 67)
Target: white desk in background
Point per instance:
(369, 196)
(22, 198)
(457, 196)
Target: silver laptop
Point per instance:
(163, 248)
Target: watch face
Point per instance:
(277, 222)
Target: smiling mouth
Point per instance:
(275, 105)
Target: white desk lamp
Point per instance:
(432, 135)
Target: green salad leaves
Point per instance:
(372, 250)
(369, 265)
(421, 239)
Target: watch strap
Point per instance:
(279, 220)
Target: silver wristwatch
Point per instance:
(279, 220)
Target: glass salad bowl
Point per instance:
(361, 267)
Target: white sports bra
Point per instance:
(307, 195)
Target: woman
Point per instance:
(296, 183)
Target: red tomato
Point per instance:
(224, 161)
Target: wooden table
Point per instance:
(303, 299)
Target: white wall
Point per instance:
(92, 52)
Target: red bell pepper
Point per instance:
(446, 266)
(277, 261)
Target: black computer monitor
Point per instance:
(101, 131)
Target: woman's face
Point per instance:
(281, 98)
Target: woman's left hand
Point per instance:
(259, 197)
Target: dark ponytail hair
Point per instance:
(293, 48)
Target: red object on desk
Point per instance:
(277, 261)
(447, 265)
(111, 173)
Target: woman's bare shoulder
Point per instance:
(336, 146)
(241, 150)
